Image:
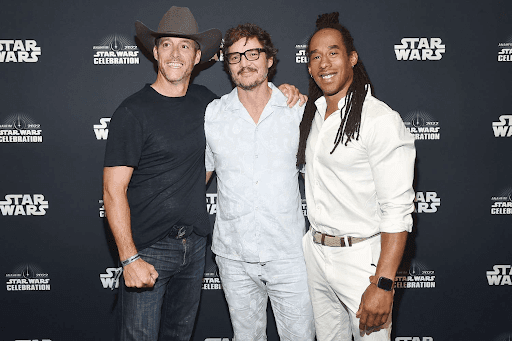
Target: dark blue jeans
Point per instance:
(168, 310)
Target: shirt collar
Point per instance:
(321, 105)
(277, 99)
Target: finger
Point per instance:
(303, 99)
(370, 320)
(291, 99)
(382, 319)
(359, 310)
(362, 320)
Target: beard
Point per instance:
(252, 85)
(179, 79)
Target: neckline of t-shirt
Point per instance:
(167, 98)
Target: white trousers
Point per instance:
(247, 287)
(337, 278)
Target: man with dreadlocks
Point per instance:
(251, 143)
(359, 165)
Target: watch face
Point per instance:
(385, 283)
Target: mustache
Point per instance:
(173, 60)
(246, 68)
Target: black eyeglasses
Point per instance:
(250, 55)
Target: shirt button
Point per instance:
(256, 156)
(317, 183)
(256, 182)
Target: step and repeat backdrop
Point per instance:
(65, 66)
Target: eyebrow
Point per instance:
(330, 47)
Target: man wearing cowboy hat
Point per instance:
(153, 184)
(154, 192)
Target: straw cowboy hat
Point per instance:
(179, 22)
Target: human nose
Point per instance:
(174, 51)
(324, 63)
(243, 59)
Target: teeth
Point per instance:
(174, 64)
(327, 76)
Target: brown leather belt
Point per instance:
(328, 240)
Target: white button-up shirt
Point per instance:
(365, 187)
(259, 212)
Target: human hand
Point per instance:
(140, 274)
(375, 307)
(293, 95)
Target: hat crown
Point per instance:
(178, 20)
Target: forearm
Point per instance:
(115, 186)
(392, 249)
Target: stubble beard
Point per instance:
(248, 87)
(161, 70)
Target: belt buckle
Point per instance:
(182, 231)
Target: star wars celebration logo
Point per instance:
(211, 203)
(301, 56)
(414, 338)
(502, 203)
(503, 128)
(505, 51)
(33, 340)
(23, 204)
(211, 279)
(110, 279)
(101, 130)
(426, 202)
(20, 128)
(19, 51)
(422, 49)
(417, 277)
(27, 277)
(116, 50)
(422, 126)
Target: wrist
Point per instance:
(130, 260)
(383, 283)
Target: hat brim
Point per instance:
(209, 41)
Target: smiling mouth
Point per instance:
(175, 65)
(327, 76)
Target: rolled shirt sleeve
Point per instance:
(391, 155)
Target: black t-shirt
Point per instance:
(163, 139)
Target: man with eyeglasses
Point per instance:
(252, 138)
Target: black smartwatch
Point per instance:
(385, 283)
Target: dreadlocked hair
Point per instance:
(356, 93)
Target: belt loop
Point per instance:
(323, 238)
(346, 240)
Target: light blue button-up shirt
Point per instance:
(259, 213)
